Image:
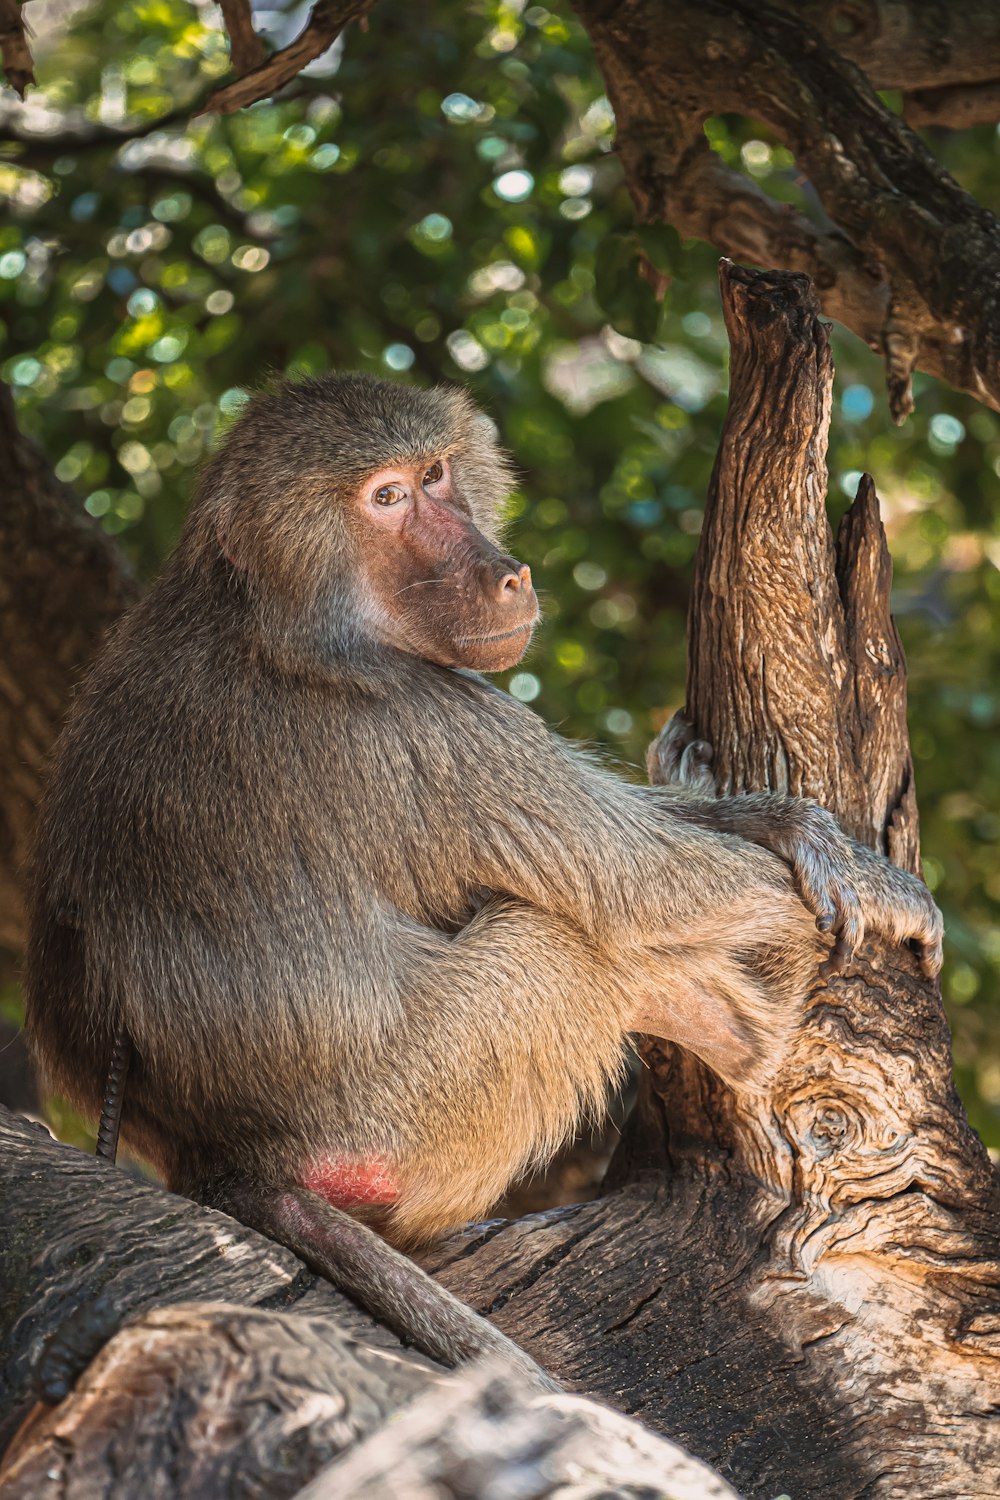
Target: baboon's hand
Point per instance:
(676, 758)
(850, 888)
(899, 907)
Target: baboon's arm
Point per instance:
(849, 886)
(648, 865)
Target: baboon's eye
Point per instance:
(389, 494)
(434, 472)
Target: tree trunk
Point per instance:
(802, 1288)
(63, 581)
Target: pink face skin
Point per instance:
(445, 591)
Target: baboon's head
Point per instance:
(377, 501)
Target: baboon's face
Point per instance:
(441, 589)
(378, 501)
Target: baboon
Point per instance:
(377, 936)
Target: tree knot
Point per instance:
(822, 1127)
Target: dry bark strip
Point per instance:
(801, 1288)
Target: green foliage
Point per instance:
(442, 202)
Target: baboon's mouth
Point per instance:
(489, 640)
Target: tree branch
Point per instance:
(909, 44)
(710, 201)
(326, 21)
(14, 47)
(917, 249)
(246, 50)
(958, 106)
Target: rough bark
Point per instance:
(62, 583)
(796, 672)
(289, 1393)
(911, 262)
(478, 1437)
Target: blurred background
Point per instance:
(438, 199)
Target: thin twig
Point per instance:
(327, 20)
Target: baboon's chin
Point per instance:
(494, 653)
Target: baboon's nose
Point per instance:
(514, 585)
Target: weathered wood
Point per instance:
(483, 1435)
(796, 672)
(205, 1399)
